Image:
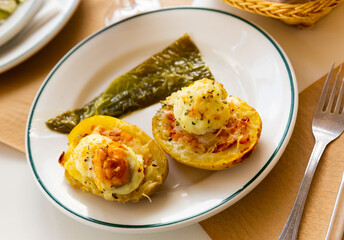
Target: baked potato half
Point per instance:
(113, 159)
(209, 129)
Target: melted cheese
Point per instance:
(201, 107)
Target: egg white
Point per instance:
(84, 154)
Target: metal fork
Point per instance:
(328, 124)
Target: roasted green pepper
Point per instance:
(153, 80)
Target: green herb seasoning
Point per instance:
(153, 80)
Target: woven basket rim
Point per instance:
(294, 5)
(282, 10)
(323, 3)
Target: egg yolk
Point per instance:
(111, 165)
(201, 107)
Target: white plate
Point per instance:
(17, 20)
(41, 28)
(243, 57)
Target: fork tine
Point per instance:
(324, 91)
(333, 92)
(340, 97)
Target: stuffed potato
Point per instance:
(113, 159)
(201, 126)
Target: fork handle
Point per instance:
(291, 228)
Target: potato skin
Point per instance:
(155, 165)
(230, 157)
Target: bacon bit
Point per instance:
(85, 135)
(130, 138)
(173, 132)
(92, 127)
(223, 146)
(139, 170)
(176, 136)
(244, 139)
(116, 138)
(125, 137)
(120, 136)
(245, 119)
(220, 147)
(180, 135)
(223, 134)
(171, 120)
(61, 158)
(110, 163)
(102, 131)
(170, 116)
(234, 128)
(115, 133)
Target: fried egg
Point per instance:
(112, 166)
(113, 159)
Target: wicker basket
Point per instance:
(302, 15)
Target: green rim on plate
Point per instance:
(287, 128)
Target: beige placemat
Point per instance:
(259, 215)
